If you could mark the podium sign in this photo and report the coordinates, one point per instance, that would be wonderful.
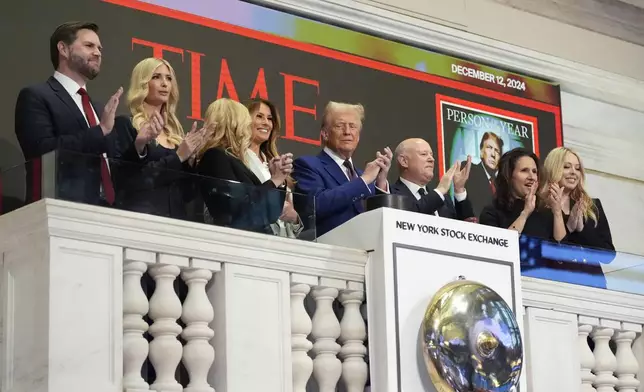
(411, 257)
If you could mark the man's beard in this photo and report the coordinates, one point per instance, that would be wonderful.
(82, 66)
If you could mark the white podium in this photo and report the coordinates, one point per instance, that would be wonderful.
(411, 256)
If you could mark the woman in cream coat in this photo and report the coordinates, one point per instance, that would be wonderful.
(265, 131)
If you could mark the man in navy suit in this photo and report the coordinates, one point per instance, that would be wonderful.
(339, 188)
(416, 164)
(59, 115)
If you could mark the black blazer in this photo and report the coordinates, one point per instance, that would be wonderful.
(431, 202)
(234, 196)
(158, 184)
(539, 224)
(48, 119)
(478, 189)
(591, 236)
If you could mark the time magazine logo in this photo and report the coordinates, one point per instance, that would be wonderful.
(226, 87)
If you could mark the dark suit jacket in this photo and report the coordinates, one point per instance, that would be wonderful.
(336, 198)
(158, 184)
(431, 202)
(234, 195)
(47, 119)
(478, 189)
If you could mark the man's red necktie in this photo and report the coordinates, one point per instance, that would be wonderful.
(492, 187)
(106, 179)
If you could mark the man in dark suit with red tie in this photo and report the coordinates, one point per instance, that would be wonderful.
(480, 185)
(331, 176)
(59, 115)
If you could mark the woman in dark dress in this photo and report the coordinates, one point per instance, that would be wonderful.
(232, 193)
(154, 157)
(589, 241)
(585, 218)
(516, 202)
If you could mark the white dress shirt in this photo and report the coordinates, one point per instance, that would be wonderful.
(72, 89)
(413, 187)
(340, 162)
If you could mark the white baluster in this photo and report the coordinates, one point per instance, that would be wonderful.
(627, 366)
(363, 312)
(198, 353)
(354, 332)
(638, 351)
(586, 359)
(327, 368)
(301, 327)
(605, 361)
(135, 346)
(165, 309)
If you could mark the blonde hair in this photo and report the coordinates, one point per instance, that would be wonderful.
(231, 125)
(553, 168)
(334, 107)
(138, 92)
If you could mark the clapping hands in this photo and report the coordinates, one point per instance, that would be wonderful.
(576, 218)
(194, 142)
(281, 167)
(378, 169)
(462, 175)
(555, 195)
(383, 160)
(109, 112)
(149, 131)
(446, 180)
(531, 200)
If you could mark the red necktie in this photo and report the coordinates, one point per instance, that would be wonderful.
(106, 180)
(492, 187)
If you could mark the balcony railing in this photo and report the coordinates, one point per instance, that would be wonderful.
(73, 303)
(253, 312)
(160, 188)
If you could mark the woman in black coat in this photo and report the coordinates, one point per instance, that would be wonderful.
(518, 205)
(589, 242)
(585, 219)
(233, 195)
(154, 159)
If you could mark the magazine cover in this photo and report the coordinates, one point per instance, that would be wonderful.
(485, 133)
